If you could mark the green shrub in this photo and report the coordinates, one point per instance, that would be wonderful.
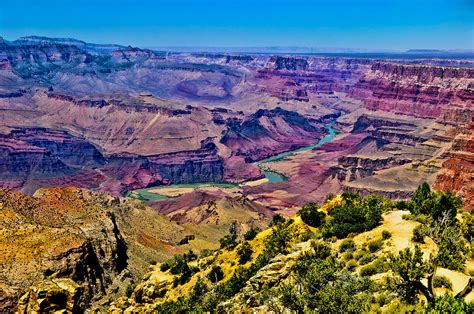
(442, 282)
(422, 200)
(386, 235)
(129, 290)
(419, 234)
(216, 274)
(252, 233)
(205, 253)
(355, 215)
(347, 245)
(449, 304)
(351, 265)
(347, 256)
(190, 256)
(311, 215)
(277, 241)
(277, 219)
(244, 252)
(230, 241)
(446, 202)
(179, 265)
(376, 267)
(366, 258)
(375, 245)
(321, 249)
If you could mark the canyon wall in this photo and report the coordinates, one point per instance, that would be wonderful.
(417, 90)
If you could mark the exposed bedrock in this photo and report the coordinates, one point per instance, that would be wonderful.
(417, 90)
(287, 63)
(70, 150)
(389, 130)
(134, 172)
(288, 81)
(91, 255)
(33, 158)
(354, 167)
(457, 172)
(365, 122)
(269, 132)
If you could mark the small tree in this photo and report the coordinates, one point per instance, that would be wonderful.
(422, 199)
(252, 233)
(277, 219)
(230, 241)
(216, 274)
(446, 202)
(311, 215)
(244, 252)
(410, 269)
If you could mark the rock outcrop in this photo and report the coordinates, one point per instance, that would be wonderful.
(457, 172)
(417, 90)
(63, 240)
(269, 132)
(53, 295)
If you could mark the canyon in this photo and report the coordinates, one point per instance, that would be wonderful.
(85, 127)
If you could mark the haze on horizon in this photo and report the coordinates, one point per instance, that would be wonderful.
(365, 24)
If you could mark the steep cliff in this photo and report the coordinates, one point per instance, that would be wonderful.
(101, 243)
(418, 90)
(457, 172)
(269, 132)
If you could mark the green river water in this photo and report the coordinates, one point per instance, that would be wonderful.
(272, 176)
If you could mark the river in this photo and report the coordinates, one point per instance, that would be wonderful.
(271, 175)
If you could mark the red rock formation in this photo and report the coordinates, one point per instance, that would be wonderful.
(457, 173)
(269, 132)
(418, 90)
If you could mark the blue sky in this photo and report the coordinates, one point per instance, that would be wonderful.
(382, 24)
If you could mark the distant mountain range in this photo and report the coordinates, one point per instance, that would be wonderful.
(89, 47)
(104, 48)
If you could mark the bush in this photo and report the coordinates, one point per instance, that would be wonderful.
(129, 290)
(230, 241)
(179, 265)
(277, 219)
(351, 265)
(244, 252)
(355, 215)
(206, 253)
(386, 235)
(190, 256)
(442, 282)
(446, 202)
(422, 200)
(347, 245)
(375, 245)
(321, 249)
(252, 233)
(347, 256)
(450, 304)
(376, 267)
(277, 241)
(216, 274)
(311, 215)
(365, 258)
(418, 234)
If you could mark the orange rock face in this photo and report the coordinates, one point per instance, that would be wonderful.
(457, 173)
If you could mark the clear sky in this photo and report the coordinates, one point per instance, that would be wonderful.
(373, 24)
